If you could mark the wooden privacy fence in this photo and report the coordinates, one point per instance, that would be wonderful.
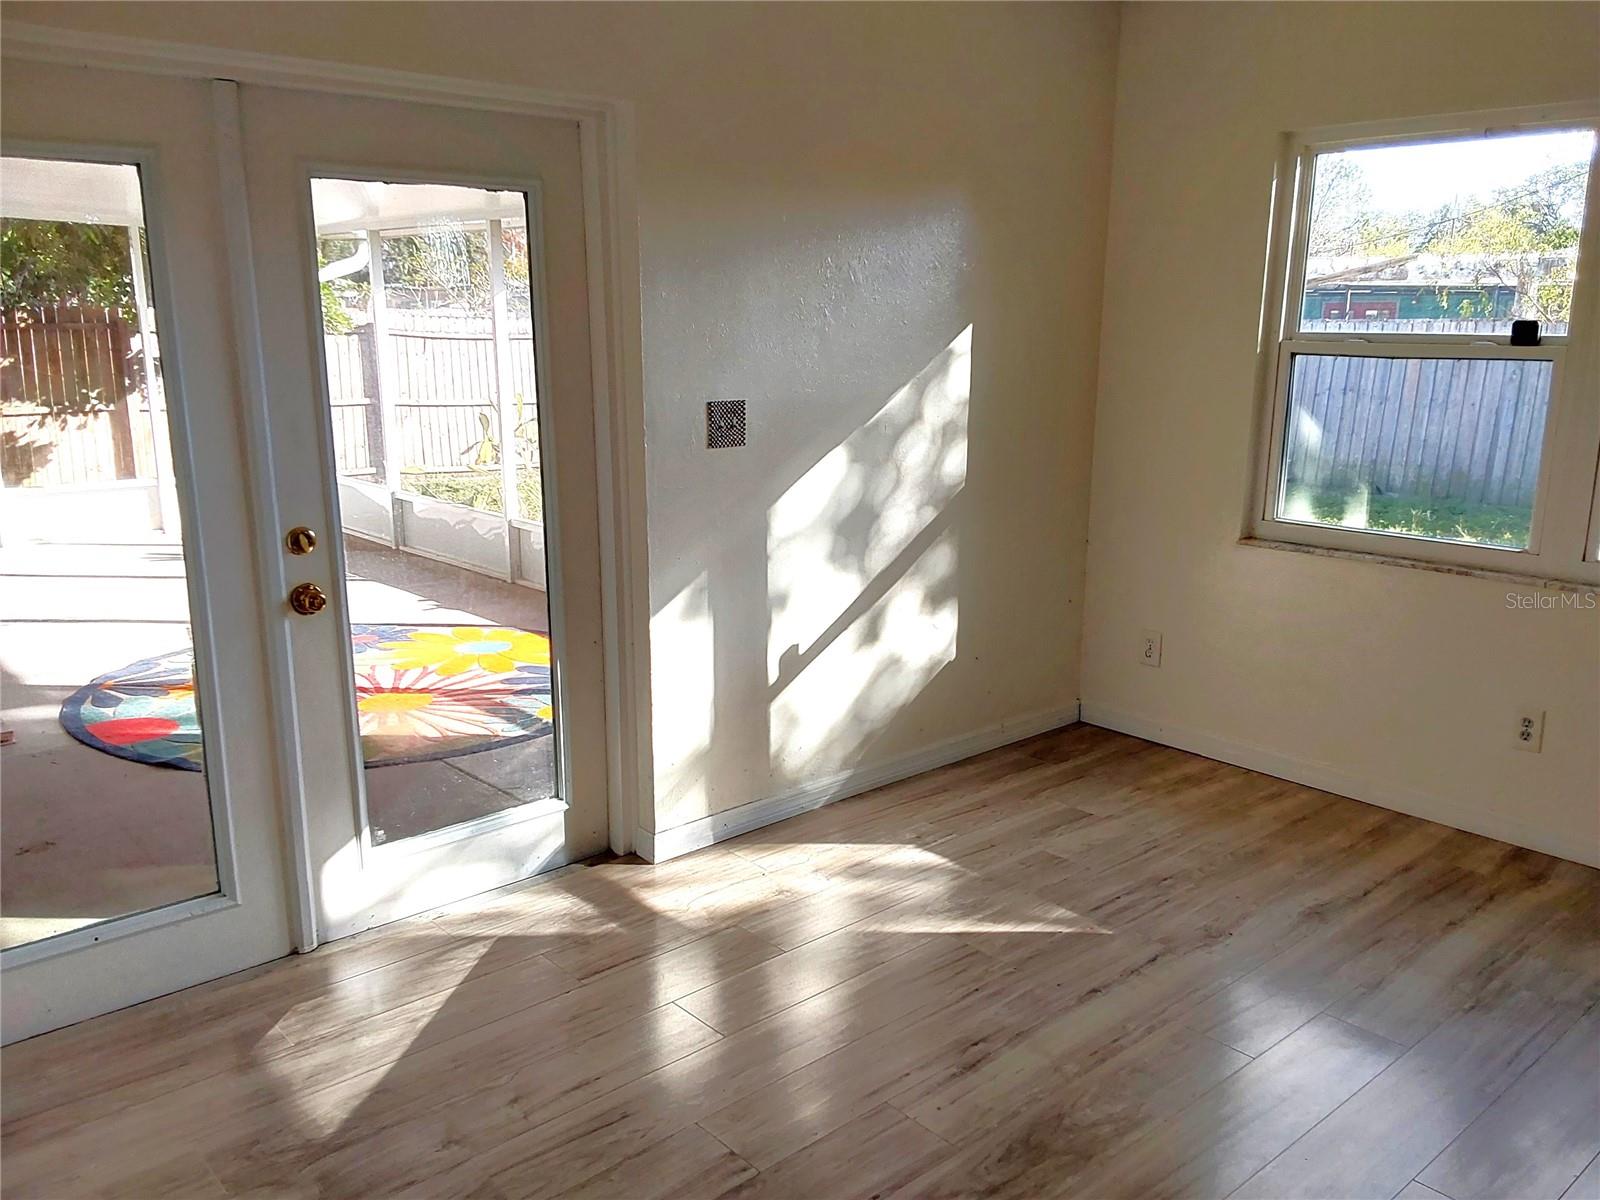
(73, 406)
(444, 383)
(1465, 429)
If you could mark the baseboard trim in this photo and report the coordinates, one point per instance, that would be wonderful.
(1329, 778)
(644, 844)
(661, 845)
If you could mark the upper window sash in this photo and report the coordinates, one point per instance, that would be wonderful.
(1304, 153)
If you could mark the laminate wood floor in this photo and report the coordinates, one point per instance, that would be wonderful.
(1080, 966)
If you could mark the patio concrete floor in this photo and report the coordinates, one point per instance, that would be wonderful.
(86, 836)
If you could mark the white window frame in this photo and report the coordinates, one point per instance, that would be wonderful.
(1562, 541)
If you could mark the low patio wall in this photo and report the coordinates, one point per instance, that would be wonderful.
(112, 511)
(452, 533)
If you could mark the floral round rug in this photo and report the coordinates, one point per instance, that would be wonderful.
(422, 693)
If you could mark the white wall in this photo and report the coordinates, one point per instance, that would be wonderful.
(883, 225)
(830, 197)
(1387, 683)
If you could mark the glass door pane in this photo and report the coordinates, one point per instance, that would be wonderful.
(106, 805)
(428, 349)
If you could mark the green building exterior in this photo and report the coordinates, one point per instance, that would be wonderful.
(1375, 300)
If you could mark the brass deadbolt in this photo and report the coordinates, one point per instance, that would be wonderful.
(308, 599)
(300, 540)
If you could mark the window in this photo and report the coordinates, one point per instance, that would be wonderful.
(1429, 284)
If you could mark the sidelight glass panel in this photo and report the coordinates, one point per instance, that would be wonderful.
(1440, 448)
(429, 346)
(102, 784)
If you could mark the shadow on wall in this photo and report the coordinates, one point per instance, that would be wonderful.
(858, 545)
(867, 537)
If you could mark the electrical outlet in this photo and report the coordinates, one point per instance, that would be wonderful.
(1530, 730)
(1150, 648)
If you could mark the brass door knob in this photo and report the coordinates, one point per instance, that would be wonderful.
(307, 599)
(300, 540)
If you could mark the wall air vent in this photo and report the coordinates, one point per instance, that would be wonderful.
(725, 424)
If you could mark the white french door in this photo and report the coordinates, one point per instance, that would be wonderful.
(301, 626)
(139, 797)
(420, 281)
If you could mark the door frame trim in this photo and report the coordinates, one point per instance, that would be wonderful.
(610, 204)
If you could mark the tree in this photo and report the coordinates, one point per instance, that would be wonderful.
(1523, 236)
(64, 262)
(339, 294)
(1343, 221)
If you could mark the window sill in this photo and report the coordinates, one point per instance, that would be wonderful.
(1389, 560)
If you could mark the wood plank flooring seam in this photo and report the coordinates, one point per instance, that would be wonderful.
(700, 1125)
(1211, 1037)
(1417, 1190)
(698, 1020)
(1352, 1099)
(897, 1108)
(1587, 1185)
(1400, 1047)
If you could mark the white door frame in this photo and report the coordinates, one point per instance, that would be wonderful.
(611, 235)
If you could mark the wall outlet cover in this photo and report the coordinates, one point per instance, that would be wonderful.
(1529, 733)
(1150, 648)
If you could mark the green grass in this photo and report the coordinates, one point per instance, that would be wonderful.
(479, 490)
(1424, 516)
